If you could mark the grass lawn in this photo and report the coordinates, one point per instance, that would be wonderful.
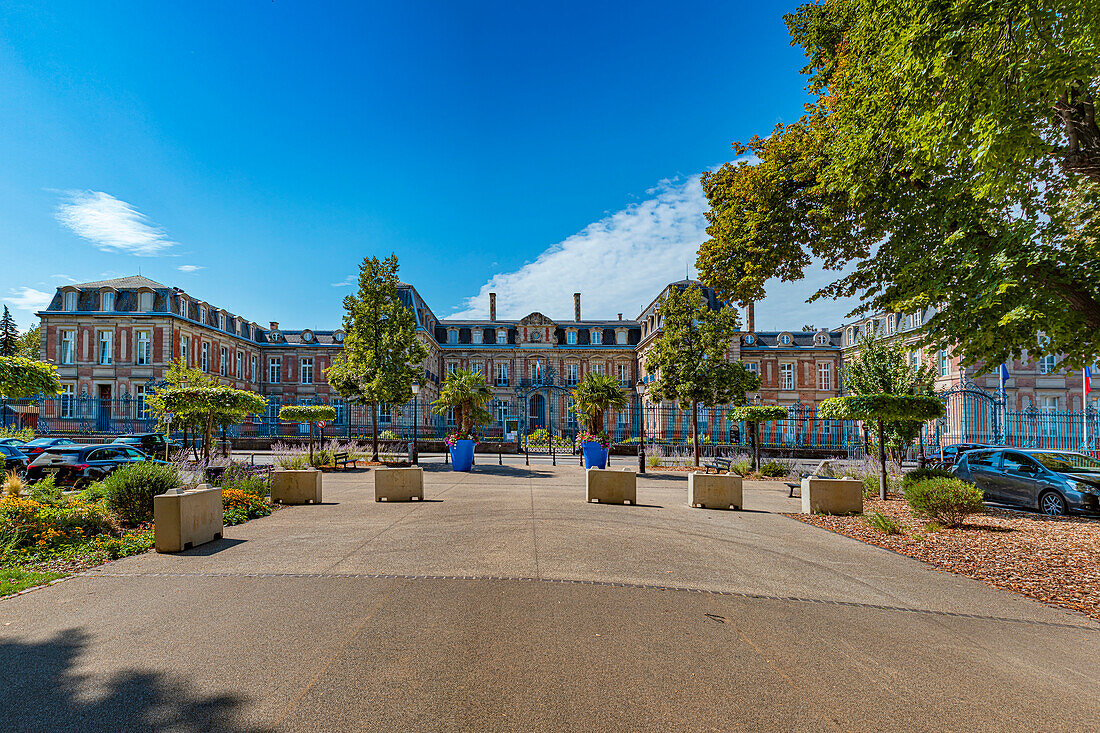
(13, 580)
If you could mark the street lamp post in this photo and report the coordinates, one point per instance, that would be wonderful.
(416, 400)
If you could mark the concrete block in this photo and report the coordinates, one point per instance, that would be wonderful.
(712, 491)
(832, 496)
(296, 487)
(186, 519)
(608, 486)
(399, 484)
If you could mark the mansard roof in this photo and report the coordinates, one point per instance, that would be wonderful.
(130, 281)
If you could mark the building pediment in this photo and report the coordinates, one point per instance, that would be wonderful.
(535, 319)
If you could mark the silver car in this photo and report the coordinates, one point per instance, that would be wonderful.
(1054, 482)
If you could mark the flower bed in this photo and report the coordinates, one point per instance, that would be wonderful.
(1055, 560)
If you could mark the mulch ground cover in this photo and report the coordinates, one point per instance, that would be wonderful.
(1055, 560)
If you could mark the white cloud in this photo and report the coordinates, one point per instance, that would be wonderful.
(28, 299)
(67, 278)
(111, 224)
(350, 279)
(190, 268)
(623, 261)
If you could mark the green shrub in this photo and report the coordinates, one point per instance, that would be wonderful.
(946, 501)
(129, 489)
(89, 519)
(322, 457)
(130, 543)
(652, 460)
(921, 474)
(774, 469)
(741, 468)
(24, 434)
(883, 523)
(248, 479)
(296, 462)
(94, 494)
(44, 491)
(238, 506)
(387, 435)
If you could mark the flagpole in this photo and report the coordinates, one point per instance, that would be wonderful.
(1084, 410)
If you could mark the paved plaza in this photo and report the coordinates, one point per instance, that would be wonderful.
(505, 602)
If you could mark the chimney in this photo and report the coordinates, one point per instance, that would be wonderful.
(274, 325)
(576, 306)
(620, 316)
(492, 306)
(750, 317)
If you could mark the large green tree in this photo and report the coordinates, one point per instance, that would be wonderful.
(690, 356)
(21, 377)
(382, 353)
(950, 157)
(30, 344)
(9, 335)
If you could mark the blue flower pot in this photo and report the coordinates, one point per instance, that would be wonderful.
(595, 455)
(462, 455)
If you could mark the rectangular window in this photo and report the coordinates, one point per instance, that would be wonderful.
(502, 336)
(479, 368)
(68, 391)
(753, 367)
(240, 365)
(252, 371)
(221, 321)
(786, 376)
(145, 302)
(385, 413)
(204, 357)
(475, 336)
(68, 347)
(914, 360)
(624, 375)
(223, 361)
(451, 367)
(620, 337)
(70, 302)
(452, 336)
(597, 337)
(572, 372)
(1048, 419)
(500, 411)
(143, 357)
(943, 363)
(449, 418)
(306, 370)
(597, 368)
(275, 370)
(571, 337)
(825, 377)
(106, 347)
(183, 350)
(108, 301)
(624, 418)
(1048, 364)
(502, 375)
(202, 315)
(141, 411)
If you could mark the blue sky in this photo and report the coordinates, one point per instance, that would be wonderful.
(253, 152)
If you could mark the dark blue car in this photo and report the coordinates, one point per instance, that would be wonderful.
(80, 465)
(1054, 482)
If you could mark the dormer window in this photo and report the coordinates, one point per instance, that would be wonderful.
(145, 302)
(620, 337)
(476, 336)
(821, 339)
(749, 339)
(452, 336)
(202, 314)
(785, 339)
(275, 336)
(502, 336)
(107, 301)
(571, 337)
(307, 336)
(221, 321)
(70, 301)
(597, 337)
(338, 337)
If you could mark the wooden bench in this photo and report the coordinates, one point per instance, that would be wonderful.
(792, 485)
(341, 460)
(718, 464)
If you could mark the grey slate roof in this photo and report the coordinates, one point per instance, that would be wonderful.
(130, 281)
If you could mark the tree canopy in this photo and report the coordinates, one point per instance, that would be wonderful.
(950, 158)
(307, 414)
(690, 355)
(753, 415)
(382, 353)
(210, 404)
(593, 396)
(465, 392)
(22, 377)
(30, 343)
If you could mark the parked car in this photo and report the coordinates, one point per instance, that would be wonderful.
(952, 453)
(14, 442)
(80, 465)
(150, 443)
(14, 460)
(36, 446)
(1054, 482)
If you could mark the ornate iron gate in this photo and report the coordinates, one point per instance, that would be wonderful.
(971, 415)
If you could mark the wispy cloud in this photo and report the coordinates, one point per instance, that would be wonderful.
(28, 299)
(111, 224)
(623, 261)
(349, 280)
(66, 278)
(190, 268)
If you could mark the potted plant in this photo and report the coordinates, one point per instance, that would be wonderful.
(592, 398)
(466, 393)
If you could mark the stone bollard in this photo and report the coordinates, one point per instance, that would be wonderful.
(183, 519)
(399, 484)
(611, 487)
(832, 496)
(714, 491)
(296, 486)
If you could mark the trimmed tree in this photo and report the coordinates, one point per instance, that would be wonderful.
(753, 415)
(179, 375)
(881, 409)
(382, 352)
(593, 396)
(307, 414)
(208, 405)
(690, 356)
(465, 392)
(21, 377)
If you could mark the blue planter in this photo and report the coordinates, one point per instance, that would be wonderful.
(462, 455)
(595, 455)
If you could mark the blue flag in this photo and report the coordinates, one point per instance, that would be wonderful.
(1004, 376)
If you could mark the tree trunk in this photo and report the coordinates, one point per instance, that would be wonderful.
(881, 460)
(695, 430)
(207, 437)
(755, 446)
(374, 430)
(311, 442)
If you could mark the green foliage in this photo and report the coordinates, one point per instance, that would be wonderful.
(883, 523)
(920, 474)
(44, 491)
(321, 457)
(9, 335)
(741, 468)
(295, 462)
(884, 407)
(775, 469)
(594, 395)
(653, 460)
(950, 158)
(68, 517)
(758, 413)
(222, 405)
(30, 344)
(108, 547)
(946, 501)
(24, 434)
(13, 580)
(249, 479)
(387, 435)
(94, 494)
(307, 413)
(129, 489)
(240, 506)
(382, 353)
(21, 377)
(465, 392)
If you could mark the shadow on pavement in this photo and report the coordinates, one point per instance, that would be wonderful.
(211, 548)
(491, 470)
(42, 691)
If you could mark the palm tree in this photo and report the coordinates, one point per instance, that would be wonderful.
(465, 392)
(594, 396)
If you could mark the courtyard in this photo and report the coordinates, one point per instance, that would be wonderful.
(505, 602)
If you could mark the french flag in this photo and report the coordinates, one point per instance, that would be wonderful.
(1088, 380)
(538, 369)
